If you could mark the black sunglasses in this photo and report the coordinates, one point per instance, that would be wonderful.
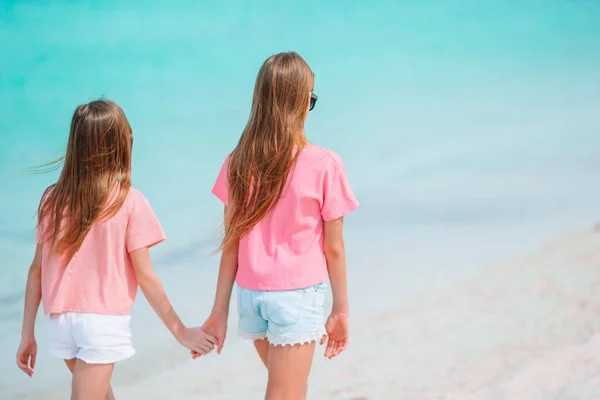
(313, 101)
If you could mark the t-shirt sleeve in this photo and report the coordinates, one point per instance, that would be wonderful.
(143, 228)
(338, 198)
(221, 186)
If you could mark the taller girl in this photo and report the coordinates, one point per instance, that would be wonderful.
(284, 199)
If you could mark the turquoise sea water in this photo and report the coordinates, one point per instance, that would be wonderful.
(469, 129)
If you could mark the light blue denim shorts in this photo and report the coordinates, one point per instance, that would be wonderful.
(287, 317)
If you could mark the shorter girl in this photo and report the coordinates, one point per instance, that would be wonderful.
(93, 236)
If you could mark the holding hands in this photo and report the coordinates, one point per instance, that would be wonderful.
(215, 326)
(197, 340)
(214, 331)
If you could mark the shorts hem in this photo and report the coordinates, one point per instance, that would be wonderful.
(295, 339)
(64, 356)
(252, 336)
(108, 360)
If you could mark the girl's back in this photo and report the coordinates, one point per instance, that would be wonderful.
(99, 277)
(284, 250)
(284, 205)
(93, 238)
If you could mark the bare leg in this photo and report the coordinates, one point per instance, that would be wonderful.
(262, 348)
(91, 381)
(289, 368)
(71, 365)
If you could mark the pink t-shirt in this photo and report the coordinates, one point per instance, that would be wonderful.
(284, 251)
(100, 277)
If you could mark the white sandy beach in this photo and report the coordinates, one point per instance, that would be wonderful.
(527, 328)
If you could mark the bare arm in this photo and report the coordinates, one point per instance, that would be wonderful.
(154, 292)
(335, 254)
(33, 294)
(227, 271)
(216, 323)
(194, 339)
(27, 351)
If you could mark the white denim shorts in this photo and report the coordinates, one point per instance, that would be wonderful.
(93, 338)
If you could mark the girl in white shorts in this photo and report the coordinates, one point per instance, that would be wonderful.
(93, 235)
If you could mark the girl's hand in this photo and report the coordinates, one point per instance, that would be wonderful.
(26, 355)
(337, 334)
(197, 340)
(215, 325)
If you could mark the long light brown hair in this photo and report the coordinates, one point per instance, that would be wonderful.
(95, 178)
(270, 144)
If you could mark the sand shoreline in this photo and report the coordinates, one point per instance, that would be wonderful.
(523, 329)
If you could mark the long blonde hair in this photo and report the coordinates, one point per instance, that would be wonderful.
(95, 178)
(270, 144)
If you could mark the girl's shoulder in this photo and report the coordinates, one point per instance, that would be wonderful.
(47, 193)
(137, 205)
(135, 196)
(322, 157)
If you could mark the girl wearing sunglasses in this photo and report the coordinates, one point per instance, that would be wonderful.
(285, 200)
